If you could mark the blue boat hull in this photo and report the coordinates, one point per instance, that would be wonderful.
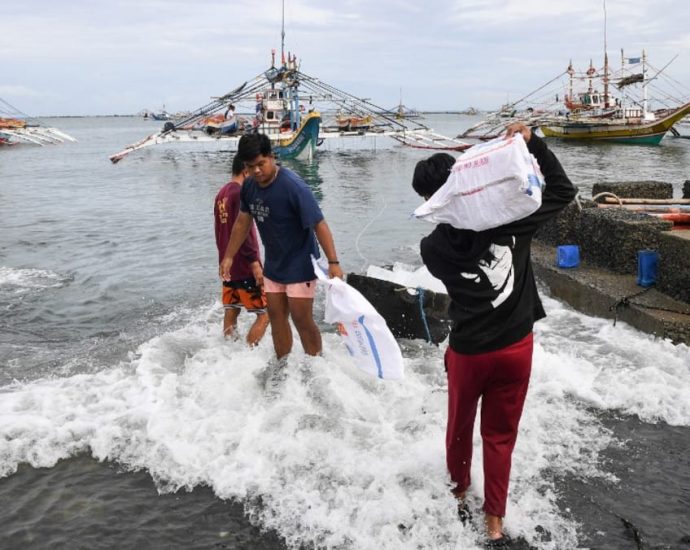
(301, 143)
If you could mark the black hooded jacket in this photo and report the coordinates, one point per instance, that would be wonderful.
(488, 274)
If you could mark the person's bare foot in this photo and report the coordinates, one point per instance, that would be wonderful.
(464, 512)
(494, 526)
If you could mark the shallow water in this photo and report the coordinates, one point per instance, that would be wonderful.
(82, 503)
(111, 348)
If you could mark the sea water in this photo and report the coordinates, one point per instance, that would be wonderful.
(111, 348)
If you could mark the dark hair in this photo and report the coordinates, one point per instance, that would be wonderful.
(432, 173)
(251, 146)
(237, 165)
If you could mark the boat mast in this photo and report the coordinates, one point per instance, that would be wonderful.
(290, 87)
(606, 65)
(282, 36)
(644, 85)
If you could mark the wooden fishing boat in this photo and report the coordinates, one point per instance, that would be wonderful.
(347, 123)
(599, 104)
(593, 115)
(286, 104)
(629, 127)
(160, 115)
(17, 127)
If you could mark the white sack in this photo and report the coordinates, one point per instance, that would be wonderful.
(492, 184)
(364, 332)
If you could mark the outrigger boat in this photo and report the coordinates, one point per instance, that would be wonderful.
(590, 108)
(17, 127)
(600, 116)
(596, 105)
(287, 105)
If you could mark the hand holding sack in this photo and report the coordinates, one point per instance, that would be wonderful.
(367, 337)
(492, 184)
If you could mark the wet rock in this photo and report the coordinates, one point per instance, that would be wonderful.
(610, 238)
(401, 309)
(565, 228)
(635, 189)
(674, 264)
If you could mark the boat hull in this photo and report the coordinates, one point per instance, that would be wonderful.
(648, 133)
(301, 143)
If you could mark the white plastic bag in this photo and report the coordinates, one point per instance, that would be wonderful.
(492, 184)
(364, 332)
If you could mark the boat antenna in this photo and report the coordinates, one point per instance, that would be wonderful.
(604, 26)
(282, 36)
(606, 64)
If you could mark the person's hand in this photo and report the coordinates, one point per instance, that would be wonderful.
(258, 273)
(224, 269)
(335, 271)
(518, 128)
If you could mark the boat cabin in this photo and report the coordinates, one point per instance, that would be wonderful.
(274, 114)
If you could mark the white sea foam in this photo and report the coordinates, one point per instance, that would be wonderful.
(408, 276)
(341, 459)
(23, 280)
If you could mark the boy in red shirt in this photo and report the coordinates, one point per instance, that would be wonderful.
(245, 289)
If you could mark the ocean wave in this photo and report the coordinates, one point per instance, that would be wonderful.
(20, 280)
(338, 459)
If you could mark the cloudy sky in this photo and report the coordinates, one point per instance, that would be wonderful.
(87, 57)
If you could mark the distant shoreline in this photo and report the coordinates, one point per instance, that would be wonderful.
(449, 112)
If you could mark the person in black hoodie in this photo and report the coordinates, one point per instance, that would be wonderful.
(494, 304)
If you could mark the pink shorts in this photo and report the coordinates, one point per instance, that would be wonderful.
(293, 290)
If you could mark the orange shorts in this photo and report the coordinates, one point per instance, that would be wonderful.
(244, 294)
(307, 289)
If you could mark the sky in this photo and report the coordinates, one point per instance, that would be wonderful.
(90, 57)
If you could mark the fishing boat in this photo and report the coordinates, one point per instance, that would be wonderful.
(162, 114)
(599, 115)
(597, 104)
(603, 104)
(406, 112)
(352, 122)
(17, 127)
(287, 105)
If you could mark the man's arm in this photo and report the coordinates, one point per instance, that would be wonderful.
(325, 238)
(239, 233)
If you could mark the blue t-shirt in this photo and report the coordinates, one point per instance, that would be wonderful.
(285, 213)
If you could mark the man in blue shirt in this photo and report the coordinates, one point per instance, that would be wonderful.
(290, 223)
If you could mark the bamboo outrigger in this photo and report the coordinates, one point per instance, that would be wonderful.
(17, 127)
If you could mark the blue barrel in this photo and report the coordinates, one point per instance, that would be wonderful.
(647, 267)
(567, 256)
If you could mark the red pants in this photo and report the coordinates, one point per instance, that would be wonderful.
(500, 378)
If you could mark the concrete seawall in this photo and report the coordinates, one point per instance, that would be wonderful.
(605, 283)
(603, 293)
